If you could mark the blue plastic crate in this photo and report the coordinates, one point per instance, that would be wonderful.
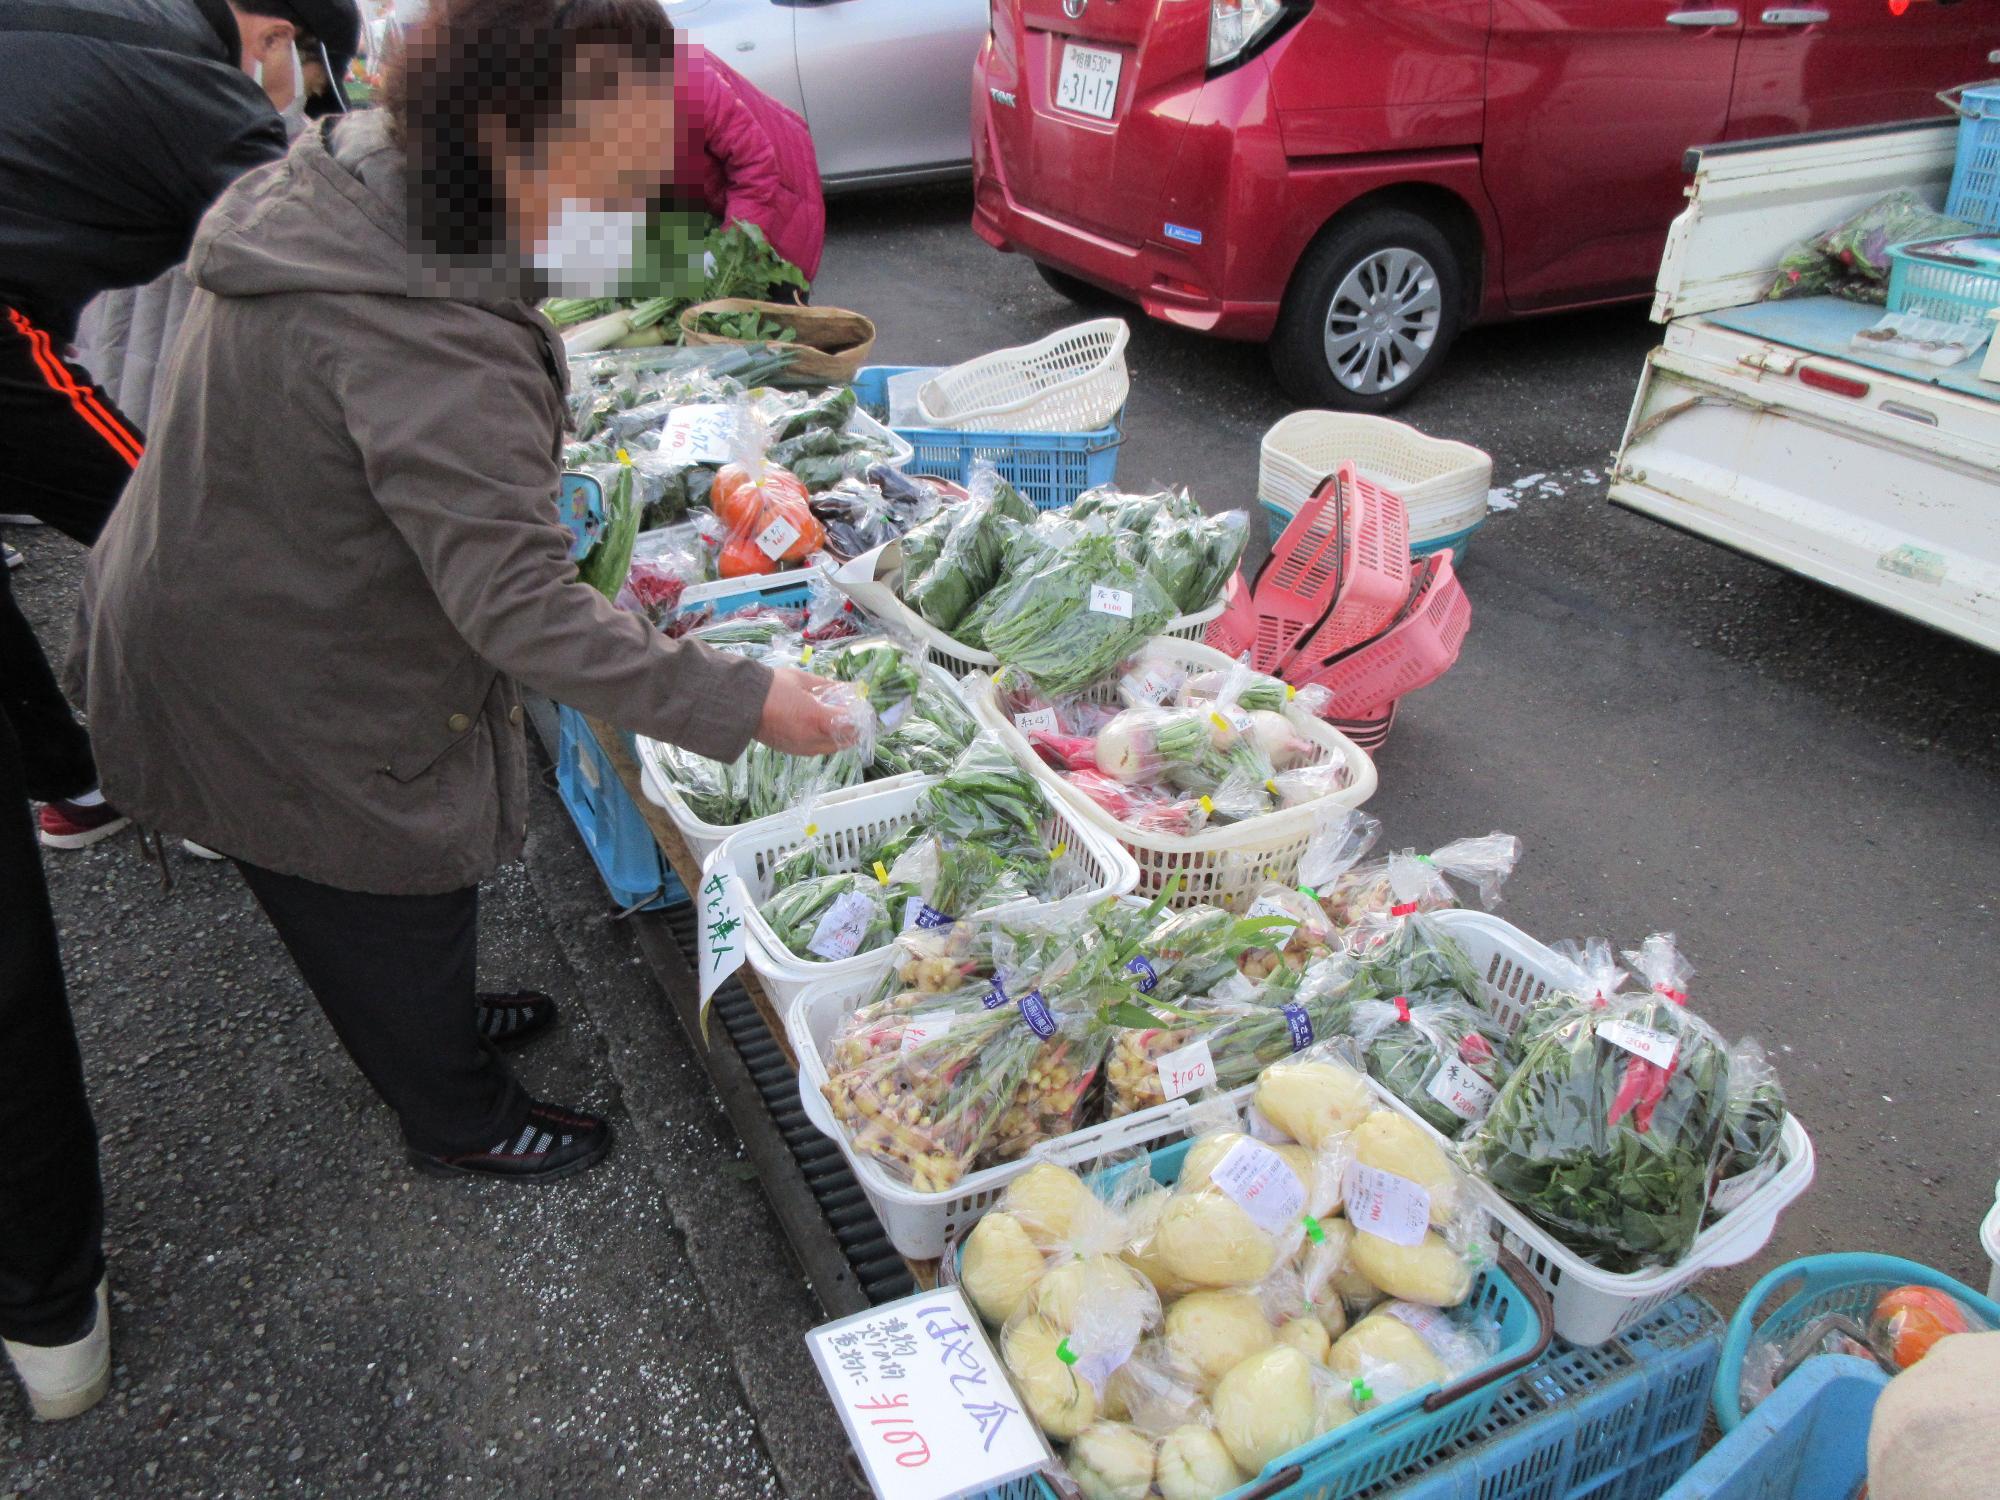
(1351, 1460)
(1618, 1421)
(1050, 469)
(1955, 280)
(1807, 1441)
(1975, 176)
(613, 829)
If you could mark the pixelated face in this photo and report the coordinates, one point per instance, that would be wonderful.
(613, 144)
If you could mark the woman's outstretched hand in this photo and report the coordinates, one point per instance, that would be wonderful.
(797, 720)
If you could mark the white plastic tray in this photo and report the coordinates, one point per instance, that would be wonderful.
(1441, 483)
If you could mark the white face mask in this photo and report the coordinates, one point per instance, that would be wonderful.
(294, 113)
(587, 251)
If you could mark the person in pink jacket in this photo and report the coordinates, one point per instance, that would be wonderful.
(757, 162)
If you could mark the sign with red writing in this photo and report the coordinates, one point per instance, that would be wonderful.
(925, 1399)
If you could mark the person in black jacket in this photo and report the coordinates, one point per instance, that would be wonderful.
(123, 121)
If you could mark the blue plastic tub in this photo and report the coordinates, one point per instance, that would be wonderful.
(1458, 541)
(1975, 176)
(1808, 1441)
(615, 833)
(1801, 1290)
(1050, 469)
(1350, 1460)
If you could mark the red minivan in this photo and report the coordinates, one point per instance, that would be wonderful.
(1353, 181)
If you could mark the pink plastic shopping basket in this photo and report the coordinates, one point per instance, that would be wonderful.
(1374, 573)
(1301, 581)
(1417, 649)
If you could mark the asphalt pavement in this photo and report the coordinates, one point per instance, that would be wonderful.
(1802, 788)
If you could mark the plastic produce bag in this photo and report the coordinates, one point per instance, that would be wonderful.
(1296, 930)
(1148, 744)
(1401, 1347)
(831, 917)
(1443, 1058)
(1192, 559)
(1851, 260)
(1609, 1129)
(1752, 1129)
(987, 798)
(1418, 1234)
(762, 507)
(1222, 1042)
(1232, 1225)
(1145, 809)
(966, 560)
(1074, 619)
(1428, 883)
(662, 567)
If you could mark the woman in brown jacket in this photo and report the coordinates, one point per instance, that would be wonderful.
(304, 626)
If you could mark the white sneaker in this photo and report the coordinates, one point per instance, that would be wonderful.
(67, 1380)
(20, 520)
(11, 556)
(201, 851)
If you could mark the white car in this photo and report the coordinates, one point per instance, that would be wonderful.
(884, 85)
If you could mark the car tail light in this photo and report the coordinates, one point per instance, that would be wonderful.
(1838, 385)
(1233, 25)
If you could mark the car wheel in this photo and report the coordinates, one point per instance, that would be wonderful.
(1075, 288)
(1371, 310)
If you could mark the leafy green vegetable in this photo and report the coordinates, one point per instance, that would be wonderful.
(1611, 1152)
(611, 559)
(747, 267)
(748, 325)
(1074, 619)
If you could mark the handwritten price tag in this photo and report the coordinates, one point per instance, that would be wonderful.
(1037, 720)
(1461, 1090)
(1106, 600)
(1185, 1071)
(927, 1027)
(1387, 1206)
(1641, 1041)
(1150, 686)
(698, 434)
(925, 1400)
(1263, 1185)
(841, 927)
(775, 538)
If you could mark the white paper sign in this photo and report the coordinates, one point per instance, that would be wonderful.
(1263, 1185)
(927, 1027)
(698, 434)
(1461, 1090)
(1273, 937)
(1387, 1206)
(1235, 718)
(720, 922)
(1106, 600)
(775, 538)
(1641, 1041)
(1037, 721)
(1431, 1325)
(1185, 1071)
(925, 1400)
(841, 927)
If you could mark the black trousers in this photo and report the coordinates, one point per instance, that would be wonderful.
(397, 977)
(51, 1199)
(65, 454)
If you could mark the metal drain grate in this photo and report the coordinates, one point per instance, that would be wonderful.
(881, 1274)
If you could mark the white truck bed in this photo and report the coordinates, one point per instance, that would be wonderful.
(1887, 486)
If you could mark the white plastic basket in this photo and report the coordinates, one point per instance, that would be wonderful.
(920, 1225)
(1100, 868)
(1072, 381)
(1989, 1237)
(1222, 866)
(704, 838)
(863, 425)
(1441, 483)
(1593, 1305)
(862, 581)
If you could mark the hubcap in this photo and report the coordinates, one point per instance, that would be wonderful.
(1383, 321)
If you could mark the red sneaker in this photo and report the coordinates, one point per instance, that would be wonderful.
(68, 826)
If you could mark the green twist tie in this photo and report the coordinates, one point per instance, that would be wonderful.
(1362, 1395)
(1425, 859)
(1313, 1232)
(1065, 1353)
(1311, 893)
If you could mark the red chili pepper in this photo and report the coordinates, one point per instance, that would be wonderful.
(1474, 1049)
(1640, 1093)
(1403, 1009)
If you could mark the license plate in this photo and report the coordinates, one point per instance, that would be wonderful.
(1088, 82)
